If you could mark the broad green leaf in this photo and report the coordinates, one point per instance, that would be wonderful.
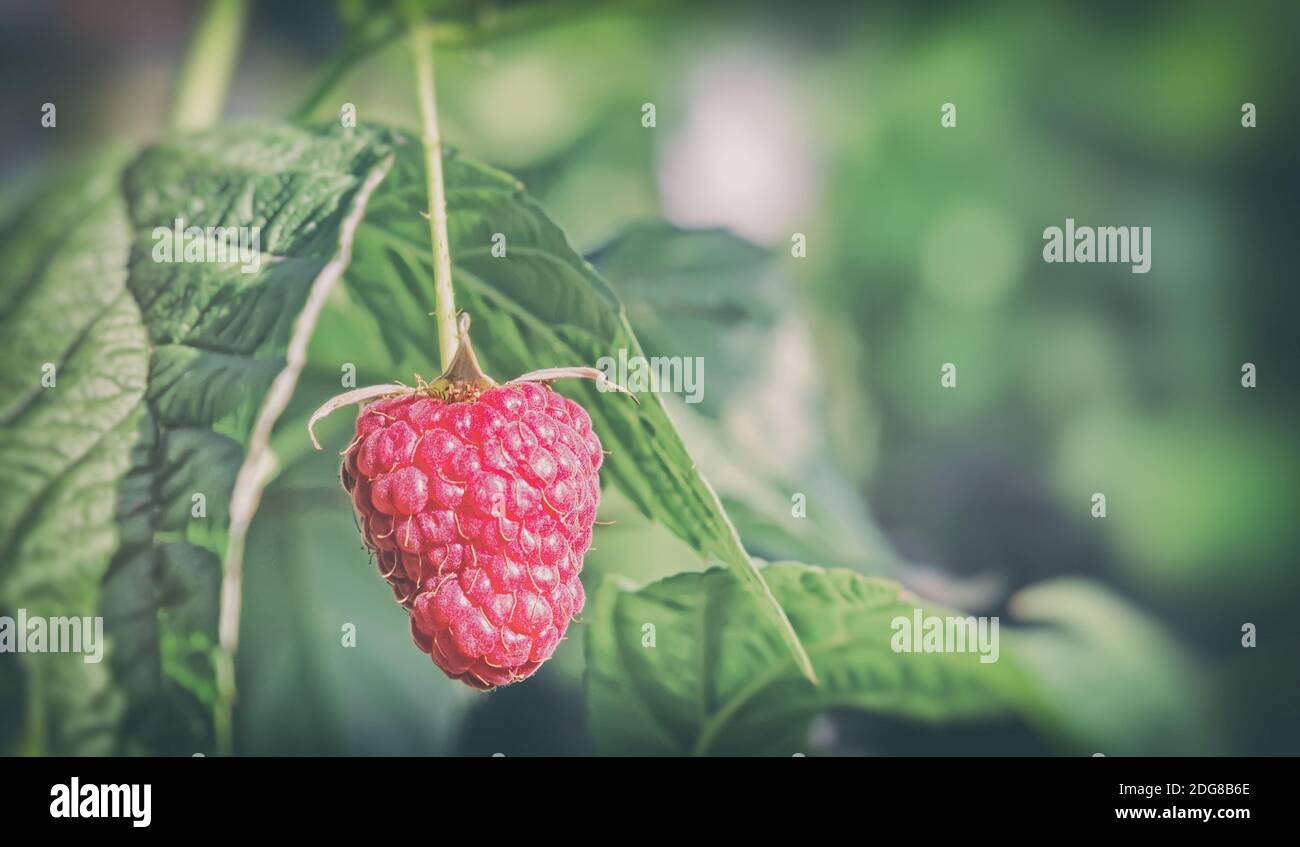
(160, 368)
(541, 305)
(698, 293)
(712, 294)
(680, 666)
(65, 450)
(1115, 681)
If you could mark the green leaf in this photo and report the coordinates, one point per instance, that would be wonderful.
(160, 369)
(1115, 681)
(64, 449)
(705, 293)
(715, 683)
(539, 306)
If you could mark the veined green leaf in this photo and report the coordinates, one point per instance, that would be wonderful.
(679, 667)
(117, 476)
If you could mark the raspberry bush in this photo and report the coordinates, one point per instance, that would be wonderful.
(180, 398)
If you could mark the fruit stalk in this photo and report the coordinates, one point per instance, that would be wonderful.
(209, 65)
(421, 38)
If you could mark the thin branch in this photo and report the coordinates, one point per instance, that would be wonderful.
(381, 31)
(444, 298)
(260, 462)
(374, 36)
(209, 65)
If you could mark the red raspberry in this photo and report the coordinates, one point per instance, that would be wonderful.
(478, 501)
(479, 512)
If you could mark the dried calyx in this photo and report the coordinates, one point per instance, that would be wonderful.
(463, 381)
(464, 378)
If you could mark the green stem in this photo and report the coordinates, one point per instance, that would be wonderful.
(378, 32)
(334, 71)
(209, 65)
(374, 36)
(444, 300)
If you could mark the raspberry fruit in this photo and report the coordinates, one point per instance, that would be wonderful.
(478, 502)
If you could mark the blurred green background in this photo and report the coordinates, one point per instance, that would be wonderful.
(822, 373)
